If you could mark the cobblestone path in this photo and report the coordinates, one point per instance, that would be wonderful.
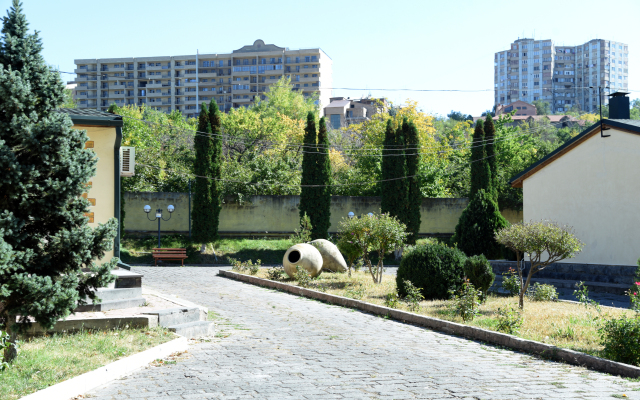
(273, 345)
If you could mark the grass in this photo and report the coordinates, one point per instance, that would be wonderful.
(46, 360)
(136, 249)
(562, 324)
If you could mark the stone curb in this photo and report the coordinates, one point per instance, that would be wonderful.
(471, 332)
(93, 379)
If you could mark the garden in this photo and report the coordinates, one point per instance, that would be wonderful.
(438, 280)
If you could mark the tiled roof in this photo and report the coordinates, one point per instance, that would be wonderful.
(92, 117)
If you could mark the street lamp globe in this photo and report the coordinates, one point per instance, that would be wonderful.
(147, 209)
(370, 214)
(170, 208)
(351, 214)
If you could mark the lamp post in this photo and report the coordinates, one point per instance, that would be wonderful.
(147, 209)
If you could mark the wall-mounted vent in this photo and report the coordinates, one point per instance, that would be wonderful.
(127, 161)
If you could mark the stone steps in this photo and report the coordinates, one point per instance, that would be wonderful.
(112, 305)
(184, 321)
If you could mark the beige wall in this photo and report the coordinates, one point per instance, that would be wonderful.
(102, 188)
(594, 187)
(280, 213)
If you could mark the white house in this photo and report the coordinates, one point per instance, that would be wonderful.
(592, 183)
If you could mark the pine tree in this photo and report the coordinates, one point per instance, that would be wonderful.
(489, 137)
(48, 252)
(308, 195)
(480, 172)
(321, 229)
(414, 196)
(387, 186)
(204, 208)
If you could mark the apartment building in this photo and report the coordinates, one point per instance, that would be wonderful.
(183, 83)
(566, 77)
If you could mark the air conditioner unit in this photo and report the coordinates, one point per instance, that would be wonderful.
(127, 161)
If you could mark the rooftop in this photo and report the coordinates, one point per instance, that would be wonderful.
(92, 117)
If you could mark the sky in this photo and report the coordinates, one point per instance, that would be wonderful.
(374, 44)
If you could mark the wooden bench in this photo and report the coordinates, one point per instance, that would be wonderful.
(169, 254)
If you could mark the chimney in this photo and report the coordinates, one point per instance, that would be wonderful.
(619, 106)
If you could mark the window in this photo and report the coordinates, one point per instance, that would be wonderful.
(288, 60)
(335, 121)
(178, 63)
(314, 75)
(306, 85)
(307, 59)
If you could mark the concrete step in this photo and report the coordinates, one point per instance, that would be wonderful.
(126, 279)
(195, 329)
(599, 287)
(118, 294)
(176, 316)
(112, 305)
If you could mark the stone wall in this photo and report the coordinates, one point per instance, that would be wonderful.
(279, 214)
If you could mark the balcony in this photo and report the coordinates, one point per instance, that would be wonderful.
(241, 91)
(81, 97)
(117, 68)
(157, 93)
(248, 100)
(309, 80)
(154, 68)
(207, 74)
(154, 85)
(116, 96)
(190, 84)
(166, 102)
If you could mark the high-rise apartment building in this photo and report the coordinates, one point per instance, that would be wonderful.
(566, 77)
(182, 83)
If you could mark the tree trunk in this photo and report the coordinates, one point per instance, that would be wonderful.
(523, 288)
(10, 352)
(203, 248)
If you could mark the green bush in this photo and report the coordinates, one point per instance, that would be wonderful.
(391, 300)
(620, 338)
(413, 297)
(466, 302)
(509, 320)
(477, 226)
(433, 267)
(542, 292)
(480, 273)
(511, 282)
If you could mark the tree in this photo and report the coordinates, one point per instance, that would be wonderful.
(216, 166)
(540, 240)
(308, 193)
(490, 156)
(474, 233)
(205, 226)
(414, 195)
(387, 185)
(394, 188)
(69, 102)
(321, 231)
(542, 107)
(373, 233)
(458, 116)
(52, 264)
(480, 172)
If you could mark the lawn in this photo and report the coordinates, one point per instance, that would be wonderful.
(46, 360)
(137, 250)
(562, 324)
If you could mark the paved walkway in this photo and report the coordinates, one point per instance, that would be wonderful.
(274, 345)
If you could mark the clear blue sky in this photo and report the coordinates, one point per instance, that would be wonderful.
(419, 44)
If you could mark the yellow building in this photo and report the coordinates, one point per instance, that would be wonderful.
(105, 135)
(592, 183)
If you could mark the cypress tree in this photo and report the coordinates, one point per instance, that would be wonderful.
(308, 194)
(480, 172)
(414, 197)
(400, 190)
(48, 252)
(386, 186)
(489, 137)
(204, 227)
(321, 229)
(216, 166)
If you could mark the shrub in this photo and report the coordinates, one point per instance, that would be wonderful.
(303, 233)
(245, 266)
(275, 273)
(582, 295)
(349, 250)
(509, 320)
(302, 276)
(433, 267)
(480, 273)
(511, 282)
(391, 300)
(413, 296)
(466, 302)
(620, 338)
(475, 231)
(7, 346)
(542, 292)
